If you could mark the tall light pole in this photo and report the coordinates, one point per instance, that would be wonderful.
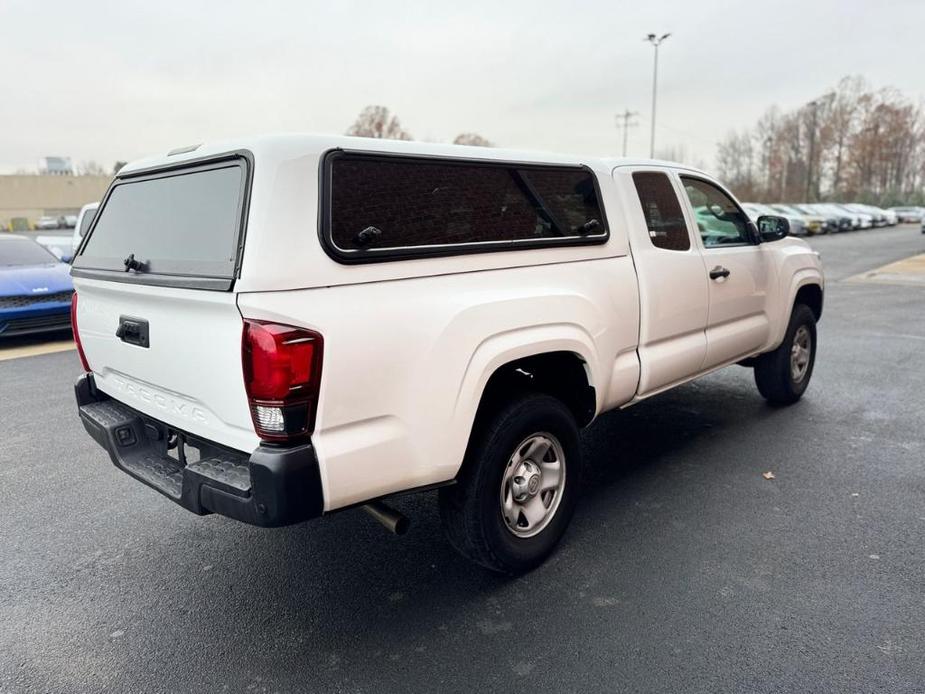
(656, 41)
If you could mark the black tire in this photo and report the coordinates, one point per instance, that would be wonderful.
(773, 373)
(471, 509)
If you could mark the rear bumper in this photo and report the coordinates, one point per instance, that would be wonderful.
(274, 486)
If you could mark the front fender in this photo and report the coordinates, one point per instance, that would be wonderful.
(792, 280)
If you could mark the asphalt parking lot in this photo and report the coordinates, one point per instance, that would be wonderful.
(685, 570)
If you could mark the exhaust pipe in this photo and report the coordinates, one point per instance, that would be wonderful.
(393, 521)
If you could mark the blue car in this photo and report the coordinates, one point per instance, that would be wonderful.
(35, 288)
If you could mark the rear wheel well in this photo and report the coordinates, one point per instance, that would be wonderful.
(562, 375)
(810, 295)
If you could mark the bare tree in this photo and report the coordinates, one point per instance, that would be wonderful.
(851, 143)
(768, 144)
(473, 140)
(376, 121)
(117, 167)
(736, 163)
(843, 119)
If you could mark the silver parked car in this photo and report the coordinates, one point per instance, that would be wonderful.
(815, 223)
(909, 214)
(844, 221)
(47, 222)
(862, 219)
(879, 217)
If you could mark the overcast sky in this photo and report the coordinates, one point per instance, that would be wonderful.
(117, 80)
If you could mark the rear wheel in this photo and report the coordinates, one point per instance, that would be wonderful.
(518, 487)
(782, 376)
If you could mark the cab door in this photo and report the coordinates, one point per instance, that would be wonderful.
(738, 271)
(673, 284)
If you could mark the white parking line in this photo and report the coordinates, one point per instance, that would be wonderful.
(35, 350)
(898, 336)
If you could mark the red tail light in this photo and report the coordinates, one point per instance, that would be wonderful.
(282, 376)
(80, 348)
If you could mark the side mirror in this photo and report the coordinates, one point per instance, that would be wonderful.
(772, 227)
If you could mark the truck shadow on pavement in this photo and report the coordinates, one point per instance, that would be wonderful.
(668, 429)
(343, 574)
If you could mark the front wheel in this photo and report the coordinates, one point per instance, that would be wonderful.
(518, 486)
(782, 376)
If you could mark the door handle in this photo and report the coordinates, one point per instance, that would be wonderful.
(719, 271)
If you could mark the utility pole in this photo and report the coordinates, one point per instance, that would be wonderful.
(768, 142)
(812, 152)
(656, 42)
(626, 125)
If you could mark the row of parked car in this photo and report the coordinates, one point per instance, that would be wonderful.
(826, 217)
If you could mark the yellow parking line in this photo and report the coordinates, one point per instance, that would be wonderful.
(34, 350)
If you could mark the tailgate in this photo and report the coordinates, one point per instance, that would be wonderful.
(190, 374)
(156, 313)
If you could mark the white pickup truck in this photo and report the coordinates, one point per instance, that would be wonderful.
(281, 327)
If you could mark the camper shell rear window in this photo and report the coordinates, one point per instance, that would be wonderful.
(378, 207)
(181, 226)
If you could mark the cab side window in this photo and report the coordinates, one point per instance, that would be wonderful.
(719, 219)
(664, 219)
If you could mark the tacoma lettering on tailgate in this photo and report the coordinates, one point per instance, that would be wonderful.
(167, 403)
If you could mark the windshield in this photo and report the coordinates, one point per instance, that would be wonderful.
(19, 251)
